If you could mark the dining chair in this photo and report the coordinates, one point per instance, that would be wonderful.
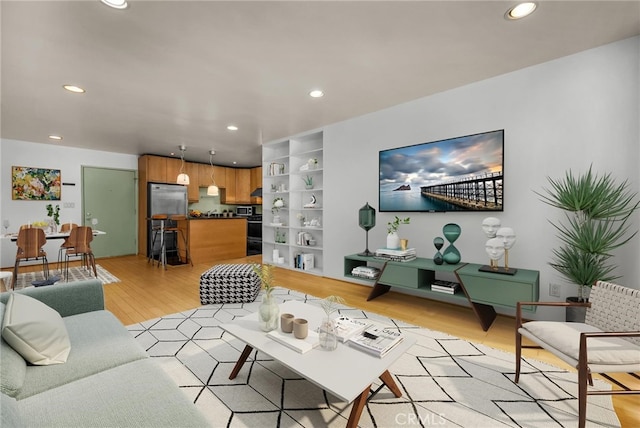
(66, 244)
(30, 242)
(80, 240)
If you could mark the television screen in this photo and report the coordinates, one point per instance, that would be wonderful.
(458, 174)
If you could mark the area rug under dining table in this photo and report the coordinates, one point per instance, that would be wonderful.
(76, 273)
(445, 381)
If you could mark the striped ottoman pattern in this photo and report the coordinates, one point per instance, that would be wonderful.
(229, 283)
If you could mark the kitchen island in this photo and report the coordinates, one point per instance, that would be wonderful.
(215, 239)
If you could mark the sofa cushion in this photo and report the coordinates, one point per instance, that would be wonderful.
(35, 331)
(99, 342)
(137, 394)
(12, 366)
(10, 414)
(565, 337)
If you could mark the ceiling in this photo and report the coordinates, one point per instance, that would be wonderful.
(163, 73)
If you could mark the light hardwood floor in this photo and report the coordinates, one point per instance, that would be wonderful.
(147, 292)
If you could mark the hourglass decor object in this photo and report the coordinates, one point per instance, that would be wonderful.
(438, 242)
(367, 220)
(451, 254)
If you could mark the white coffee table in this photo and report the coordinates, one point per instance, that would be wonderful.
(346, 373)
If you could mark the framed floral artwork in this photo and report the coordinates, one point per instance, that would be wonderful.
(35, 184)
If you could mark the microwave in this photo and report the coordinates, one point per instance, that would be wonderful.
(244, 211)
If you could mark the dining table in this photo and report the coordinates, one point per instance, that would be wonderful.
(48, 236)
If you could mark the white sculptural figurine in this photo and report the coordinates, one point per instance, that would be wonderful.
(490, 226)
(312, 202)
(495, 250)
(508, 238)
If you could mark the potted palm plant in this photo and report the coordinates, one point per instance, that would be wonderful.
(596, 213)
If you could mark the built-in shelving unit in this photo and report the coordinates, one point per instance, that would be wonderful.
(480, 290)
(295, 230)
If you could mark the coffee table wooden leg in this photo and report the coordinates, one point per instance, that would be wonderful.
(387, 379)
(357, 407)
(243, 357)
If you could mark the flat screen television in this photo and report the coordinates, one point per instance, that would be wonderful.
(457, 174)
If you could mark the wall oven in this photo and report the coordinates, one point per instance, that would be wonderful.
(254, 234)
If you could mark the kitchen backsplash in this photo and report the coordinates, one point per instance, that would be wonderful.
(212, 203)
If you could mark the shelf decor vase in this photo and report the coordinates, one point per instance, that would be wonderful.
(451, 254)
(327, 333)
(393, 241)
(268, 313)
(438, 242)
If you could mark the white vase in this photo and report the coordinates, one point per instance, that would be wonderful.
(327, 333)
(393, 241)
(268, 313)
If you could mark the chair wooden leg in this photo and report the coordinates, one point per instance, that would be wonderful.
(15, 274)
(518, 355)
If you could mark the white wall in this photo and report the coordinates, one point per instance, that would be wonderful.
(568, 113)
(70, 161)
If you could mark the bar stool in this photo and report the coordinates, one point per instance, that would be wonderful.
(158, 224)
(173, 227)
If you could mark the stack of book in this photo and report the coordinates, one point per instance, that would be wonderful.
(396, 255)
(304, 261)
(376, 340)
(367, 272)
(300, 345)
(347, 327)
(447, 287)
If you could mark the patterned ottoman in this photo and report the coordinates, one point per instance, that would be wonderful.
(229, 284)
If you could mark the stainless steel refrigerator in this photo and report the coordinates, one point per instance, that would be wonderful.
(170, 199)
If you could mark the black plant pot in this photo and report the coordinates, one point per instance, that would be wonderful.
(575, 313)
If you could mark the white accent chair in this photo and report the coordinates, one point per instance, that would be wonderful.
(607, 342)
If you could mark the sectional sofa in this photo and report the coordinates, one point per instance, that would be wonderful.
(107, 379)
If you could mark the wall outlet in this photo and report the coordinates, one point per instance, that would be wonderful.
(554, 290)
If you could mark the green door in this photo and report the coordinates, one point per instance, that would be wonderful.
(109, 205)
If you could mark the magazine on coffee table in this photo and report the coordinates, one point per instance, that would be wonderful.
(347, 327)
(376, 340)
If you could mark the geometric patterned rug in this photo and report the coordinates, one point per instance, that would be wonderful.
(76, 273)
(445, 381)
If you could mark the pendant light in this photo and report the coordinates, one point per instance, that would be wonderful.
(183, 178)
(213, 189)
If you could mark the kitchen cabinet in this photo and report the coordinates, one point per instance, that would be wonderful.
(256, 182)
(204, 176)
(214, 240)
(243, 186)
(228, 195)
(193, 190)
(154, 168)
(173, 169)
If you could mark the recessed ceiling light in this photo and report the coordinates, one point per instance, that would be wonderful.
(232, 128)
(316, 93)
(116, 4)
(74, 88)
(235, 163)
(55, 137)
(521, 10)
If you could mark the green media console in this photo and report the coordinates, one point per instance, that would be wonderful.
(481, 290)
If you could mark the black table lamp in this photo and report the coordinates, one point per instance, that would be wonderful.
(366, 220)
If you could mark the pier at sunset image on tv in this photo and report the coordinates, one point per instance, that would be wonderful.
(456, 174)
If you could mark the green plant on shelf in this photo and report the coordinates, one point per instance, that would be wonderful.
(393, 226)
(308, 181)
